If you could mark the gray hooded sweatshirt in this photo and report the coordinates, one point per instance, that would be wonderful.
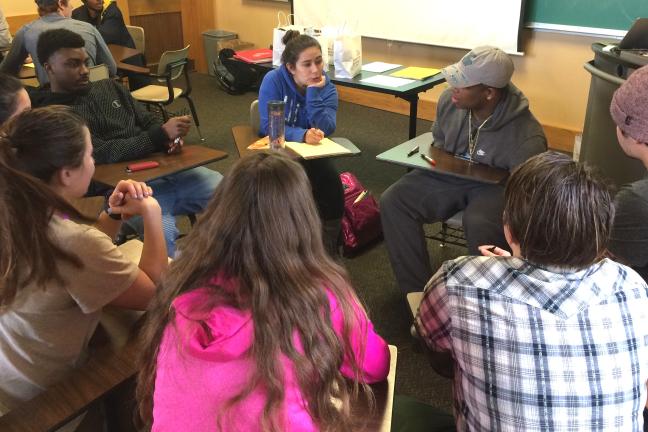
(511, 136)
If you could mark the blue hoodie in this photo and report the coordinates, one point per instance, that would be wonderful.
(317, 108)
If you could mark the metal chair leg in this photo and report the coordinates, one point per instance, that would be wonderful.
(165, 114)
(194, 114)
(443, 233)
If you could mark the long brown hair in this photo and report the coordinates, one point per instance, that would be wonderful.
(262, 229)
(38, 141)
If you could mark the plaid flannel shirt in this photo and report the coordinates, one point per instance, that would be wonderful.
(541, 349)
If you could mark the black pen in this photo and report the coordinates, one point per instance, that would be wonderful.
(413, 151)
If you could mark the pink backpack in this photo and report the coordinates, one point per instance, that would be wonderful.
(361, 220)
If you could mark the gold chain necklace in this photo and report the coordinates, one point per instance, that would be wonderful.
(472, 140)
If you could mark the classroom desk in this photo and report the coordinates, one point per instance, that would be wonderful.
(121, 53)
(114, 363)
(381, 419)
(26, 72)
(244, 136)
(190, 157)
(408, 92)
(446, 163)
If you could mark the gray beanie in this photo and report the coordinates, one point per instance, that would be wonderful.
(629, 107)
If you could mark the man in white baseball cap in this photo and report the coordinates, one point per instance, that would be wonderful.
(482, 118)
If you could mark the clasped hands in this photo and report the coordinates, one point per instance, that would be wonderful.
(131, 198)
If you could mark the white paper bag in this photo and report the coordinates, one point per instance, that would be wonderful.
(326, 43)
(347, 53)
(283, 25)
(330, 33)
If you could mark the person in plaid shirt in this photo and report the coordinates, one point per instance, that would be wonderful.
(554, 337)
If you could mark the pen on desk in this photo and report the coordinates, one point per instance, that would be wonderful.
(360, 196)
(413, 151)
(429, 160)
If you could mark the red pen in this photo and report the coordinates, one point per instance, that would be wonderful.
(429, 160)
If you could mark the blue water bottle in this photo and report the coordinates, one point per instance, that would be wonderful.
(276, 124)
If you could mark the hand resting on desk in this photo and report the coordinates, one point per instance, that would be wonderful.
(313, 136)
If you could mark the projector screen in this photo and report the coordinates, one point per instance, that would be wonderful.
(459, 23)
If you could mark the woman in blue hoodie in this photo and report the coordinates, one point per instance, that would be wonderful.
(311, 108)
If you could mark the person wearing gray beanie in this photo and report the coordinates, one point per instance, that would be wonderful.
(629, 110)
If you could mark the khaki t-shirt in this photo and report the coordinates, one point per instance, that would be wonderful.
(45, 331)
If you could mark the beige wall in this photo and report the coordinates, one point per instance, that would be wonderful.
(27, 9)
(18, 7)
(550, 73)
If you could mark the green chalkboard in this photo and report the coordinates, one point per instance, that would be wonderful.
(600, 14)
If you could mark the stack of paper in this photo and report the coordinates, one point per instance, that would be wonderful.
(379, 67)
(386, 81)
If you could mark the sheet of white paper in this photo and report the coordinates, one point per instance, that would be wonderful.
(379, 67)
(387, 81)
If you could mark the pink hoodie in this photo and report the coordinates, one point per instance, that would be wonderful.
(200, 368)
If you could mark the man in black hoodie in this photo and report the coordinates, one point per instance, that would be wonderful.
(121, 129)
(485, 119)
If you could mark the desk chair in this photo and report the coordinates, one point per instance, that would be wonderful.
(98, 73)
(441, 362)
(244, 135)
(137, 33)
(451, 231)
(172, 65)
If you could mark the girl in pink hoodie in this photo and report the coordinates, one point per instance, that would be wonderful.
(256, 328)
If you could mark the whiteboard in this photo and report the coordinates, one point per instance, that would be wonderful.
(459, 23)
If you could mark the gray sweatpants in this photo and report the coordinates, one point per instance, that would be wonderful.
(421, 197)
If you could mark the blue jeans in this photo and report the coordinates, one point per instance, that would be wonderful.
(180, 194)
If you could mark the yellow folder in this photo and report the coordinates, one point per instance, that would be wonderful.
(417, 73)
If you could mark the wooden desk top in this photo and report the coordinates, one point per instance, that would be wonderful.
(446, 163)
(26, 72)
(121, 53)
(381, 420)
(244, 136)
(190, 157)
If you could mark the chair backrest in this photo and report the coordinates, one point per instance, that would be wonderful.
(98, 73)
(171, 57)
(255, 117)
(137, 33)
